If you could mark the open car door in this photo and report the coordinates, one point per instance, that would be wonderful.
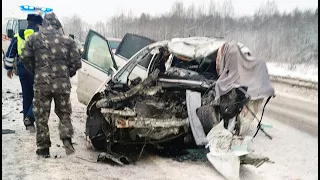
(129, 46)
(98, 65)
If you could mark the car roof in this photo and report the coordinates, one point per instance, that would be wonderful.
(195, 47)
(192, 47)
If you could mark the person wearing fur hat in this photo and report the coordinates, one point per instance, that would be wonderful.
(26, 78)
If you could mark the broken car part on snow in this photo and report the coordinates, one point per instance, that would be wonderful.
(192, 86)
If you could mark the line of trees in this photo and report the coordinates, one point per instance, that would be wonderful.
(279, 37)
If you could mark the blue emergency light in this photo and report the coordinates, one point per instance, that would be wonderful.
(33, 8)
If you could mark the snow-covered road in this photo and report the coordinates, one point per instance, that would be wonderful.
(295, 153)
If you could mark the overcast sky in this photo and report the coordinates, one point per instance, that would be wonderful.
(94, 10)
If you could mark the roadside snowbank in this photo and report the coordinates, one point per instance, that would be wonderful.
(299, 71)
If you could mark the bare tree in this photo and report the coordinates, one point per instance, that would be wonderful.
(287, 37)
(212, 8)
(76, 26)
(226, 9)
(268, 9)
(177, 9)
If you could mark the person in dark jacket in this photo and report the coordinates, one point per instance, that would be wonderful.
(53, 58)
(26, 77)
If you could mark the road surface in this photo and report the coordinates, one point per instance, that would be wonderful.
(294, 151)
(294, 112)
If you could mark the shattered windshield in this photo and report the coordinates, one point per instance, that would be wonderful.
(123, 73)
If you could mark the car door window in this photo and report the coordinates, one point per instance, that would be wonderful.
(23, 24)
(131, 44)
(14, 27)
(9, 25)
(98, 52)
(145, 61)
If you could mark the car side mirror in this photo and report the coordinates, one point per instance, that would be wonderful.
(10, 33)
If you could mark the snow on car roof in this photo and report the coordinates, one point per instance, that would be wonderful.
(191, 47)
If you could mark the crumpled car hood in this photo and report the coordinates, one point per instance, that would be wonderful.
(192, 47)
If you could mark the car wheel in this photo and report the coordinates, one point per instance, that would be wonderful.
(94, 130)
(207, 117)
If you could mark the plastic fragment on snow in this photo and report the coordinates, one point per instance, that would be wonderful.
(266, 125)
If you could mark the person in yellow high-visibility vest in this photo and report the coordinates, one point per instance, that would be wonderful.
(26, 77)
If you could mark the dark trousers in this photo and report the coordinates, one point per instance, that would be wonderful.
(26, 80)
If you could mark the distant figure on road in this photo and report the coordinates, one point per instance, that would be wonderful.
(26, 78)
(53, 58)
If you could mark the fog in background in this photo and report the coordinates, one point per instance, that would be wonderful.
(272, 33)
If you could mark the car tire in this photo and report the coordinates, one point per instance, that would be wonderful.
(94, 130)
(207, 117)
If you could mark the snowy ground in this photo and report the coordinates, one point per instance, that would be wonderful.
(295, 153)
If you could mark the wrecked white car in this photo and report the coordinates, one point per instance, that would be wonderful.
(99, 64)
(186, 88)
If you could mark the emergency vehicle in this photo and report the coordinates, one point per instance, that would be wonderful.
(14, 25)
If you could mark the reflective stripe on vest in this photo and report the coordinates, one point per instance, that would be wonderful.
(21, 42)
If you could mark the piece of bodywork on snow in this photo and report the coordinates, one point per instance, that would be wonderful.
(133, 111)
(228, 152)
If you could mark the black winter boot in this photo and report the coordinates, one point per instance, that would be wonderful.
(44, 152)
(68, 146)
(29, 123)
